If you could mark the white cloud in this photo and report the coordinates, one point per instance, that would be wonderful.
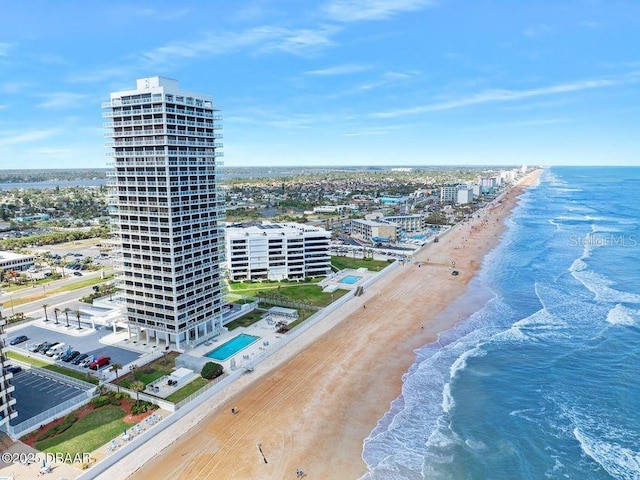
(338, 70)
(367, 133)
(20, 136)
(4, 49)
(263, 39)
(537, 30)
(13, 87)
(590, 24)
(101, 74)
(521, 123)
(62, 99)
(491, 96)
(362, 10)
(147, 12)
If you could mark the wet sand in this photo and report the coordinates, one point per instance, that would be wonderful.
(312, 404)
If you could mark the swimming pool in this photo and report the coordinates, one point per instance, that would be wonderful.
(232, 347)
(350, 279)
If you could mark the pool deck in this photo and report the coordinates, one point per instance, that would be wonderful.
(334, 280)
(261, 328)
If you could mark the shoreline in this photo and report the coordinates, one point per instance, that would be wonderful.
(312, 405)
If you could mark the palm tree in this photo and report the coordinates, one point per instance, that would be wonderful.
(114, 368)
(46, 317)
(55, 312)
(137, 386)
(66, 312)
(78, 313)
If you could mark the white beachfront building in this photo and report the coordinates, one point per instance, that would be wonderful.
(15, 262)
(414, 222)
(465, 195)
(277, 251)
(372, 231)
(448, 193)
(7, 411)
(167, 210)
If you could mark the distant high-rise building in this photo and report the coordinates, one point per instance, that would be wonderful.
(7, 411)
(167, 210)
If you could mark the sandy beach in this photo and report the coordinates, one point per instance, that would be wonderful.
(312, 404)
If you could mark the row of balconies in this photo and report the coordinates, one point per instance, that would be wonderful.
(157, 98)
(168, 224)
(158, 141)
(162, 131)
(176, 243)
(162, 121)
(163, 162)
(123, 181)
(122, 112)
(127, 234)
(158, 155)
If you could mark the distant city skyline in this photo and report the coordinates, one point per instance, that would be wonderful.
(334, 82)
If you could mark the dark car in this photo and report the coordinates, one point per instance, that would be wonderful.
(455, 272)
(70, 356)
(99, 362)
(43, 347)
(79, 358)
(19, 339)
(13, 368)
(77, 274)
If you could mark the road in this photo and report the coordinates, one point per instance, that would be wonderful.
(60, 300)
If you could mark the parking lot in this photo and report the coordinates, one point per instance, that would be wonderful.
(36, 393)
(89, 344)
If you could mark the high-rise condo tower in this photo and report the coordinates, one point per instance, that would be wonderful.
(167, 211)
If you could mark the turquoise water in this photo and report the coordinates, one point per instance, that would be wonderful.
(233, 346)
(542, 381)
(350, 279)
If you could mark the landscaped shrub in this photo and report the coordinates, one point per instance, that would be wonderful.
(100, 401)
(122, 395)
(61, 427)
(141, 407)
(109, 399)
(211, 370)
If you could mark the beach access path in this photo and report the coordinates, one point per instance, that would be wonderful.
(311, 404)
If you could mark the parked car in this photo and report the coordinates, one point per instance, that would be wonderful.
(13, 368)
(455, 272)
(43, 347)
(80, 358)
(55, 349)
(99, 362)
(67, 357)
(87, 361)
(34, 346)
(19, 339)
(77, 274)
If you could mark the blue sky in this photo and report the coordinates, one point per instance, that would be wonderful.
(334, 82)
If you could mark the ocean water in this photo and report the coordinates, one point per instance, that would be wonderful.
(543, 382)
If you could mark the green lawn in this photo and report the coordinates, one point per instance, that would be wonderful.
(23, 358)
(308, 292)
(153, 371)
(189, 389)
(246, 320)
(87, 434)
(72, 373)
(54, 368)
(345, 262)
